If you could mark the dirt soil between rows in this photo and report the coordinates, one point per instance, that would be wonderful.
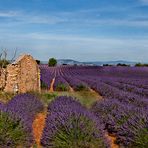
(38, 126)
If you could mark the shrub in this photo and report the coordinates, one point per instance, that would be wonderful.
(52, 62)
(13, 132)
(80, 87)
(16, 120)
(113, 113)
(49, 96)
(70, 125)
(43, 85)
(1, 105)
(62, 87)
(76, 84)
(26, 106)
(128, 123)
(134, 132)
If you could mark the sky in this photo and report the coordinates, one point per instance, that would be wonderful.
(84, 30)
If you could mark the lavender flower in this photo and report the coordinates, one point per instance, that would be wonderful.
(69, 124)
(13, 131)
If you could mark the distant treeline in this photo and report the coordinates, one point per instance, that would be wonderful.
(141, 65)
(136, 65)
(119, 64)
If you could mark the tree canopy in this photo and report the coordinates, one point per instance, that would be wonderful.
(52, 62)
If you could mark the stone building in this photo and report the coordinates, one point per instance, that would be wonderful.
(23, 75)
(2, 78)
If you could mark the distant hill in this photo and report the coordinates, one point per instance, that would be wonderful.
(69, 62)
(73, 62)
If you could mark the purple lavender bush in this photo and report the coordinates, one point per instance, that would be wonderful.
(1, 105)
(76, 84)
(70, 125)
(128, 123)
(112, 113)
(16, 118)
(13, 132)
(124, 97)
(134, 132)
(26, 106)
(61, 84)
(47, 74)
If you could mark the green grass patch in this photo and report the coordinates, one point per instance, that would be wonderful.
(86, 98)
(45, 96)
(62, 87)
(81, 87)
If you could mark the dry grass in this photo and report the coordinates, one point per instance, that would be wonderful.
(5, 97)
(87, 98)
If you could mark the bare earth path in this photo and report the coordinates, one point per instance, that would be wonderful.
(51, 86)
(71, 89)
(97, 94)
(112, 140)
(38, 126)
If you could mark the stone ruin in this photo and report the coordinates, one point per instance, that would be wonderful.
(23, 75)
(2, 78)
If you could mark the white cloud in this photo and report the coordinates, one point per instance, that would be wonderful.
(80, 18)
(8, 13)
(26, 18)
(81, 48)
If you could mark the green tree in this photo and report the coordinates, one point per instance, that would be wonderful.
(52, 62)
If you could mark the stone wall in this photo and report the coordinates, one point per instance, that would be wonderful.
(25, 73)
(29, 75)
(2, 78)
(12, 77)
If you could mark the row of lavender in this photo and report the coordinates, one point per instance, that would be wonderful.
(62, 73)
(68, 124)
(125, 109)
(16, 118)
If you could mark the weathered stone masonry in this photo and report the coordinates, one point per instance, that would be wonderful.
(2, 78)
(24, 73)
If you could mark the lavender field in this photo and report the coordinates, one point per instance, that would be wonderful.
(74, 74)
(124, 107)
(119, 118)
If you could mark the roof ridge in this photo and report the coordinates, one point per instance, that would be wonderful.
(20, 58)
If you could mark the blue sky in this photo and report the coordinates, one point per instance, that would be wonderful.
(85, 30)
